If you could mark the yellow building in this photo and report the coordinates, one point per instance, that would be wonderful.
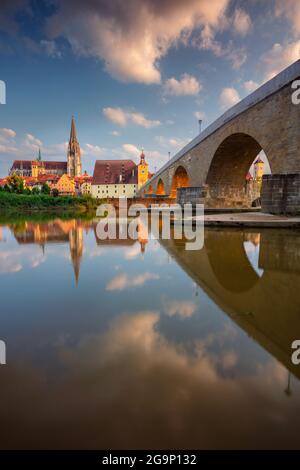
(259, 168)
(65, 186)
(143, 173)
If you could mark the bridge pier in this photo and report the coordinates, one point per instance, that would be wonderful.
(217, 197)
(281, 194)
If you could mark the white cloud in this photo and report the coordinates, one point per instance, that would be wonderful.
(131, 37)
(116, 115)
(186, 86)
(206, 41)
(7, 133)
(121, 117)
(241, 22)
(94, 150)
(115, 133)
(51, 49)
(229, 97)
(140, 120)
(131, 149)
(7, 141)
(280, 57)
(170, 142)
(183, 309)
(124, 281)
(250, 86)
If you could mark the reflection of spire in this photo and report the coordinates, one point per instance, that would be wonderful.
(142, 236)
(288, 390)
(76, 249)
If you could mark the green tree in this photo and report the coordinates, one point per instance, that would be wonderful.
(55, 192)
(45, 189)
(35, 190)
(16, 184)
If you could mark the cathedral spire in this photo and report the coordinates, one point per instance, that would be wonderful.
(74, 157)
(73, 135)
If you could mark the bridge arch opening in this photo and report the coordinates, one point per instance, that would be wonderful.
(149, 190)
(180, 180)
(229, 179)
(160, 191)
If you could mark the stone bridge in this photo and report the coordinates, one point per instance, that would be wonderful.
(214, 164)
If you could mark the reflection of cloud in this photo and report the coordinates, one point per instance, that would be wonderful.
(13, 261)
(133, 252)
(184, 308)
(252, 252)
(131, 378)
(123, 281)
(8, 263)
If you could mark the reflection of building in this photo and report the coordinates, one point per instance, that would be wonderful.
(58, 231)
(254, 238)
(143, 236)
(76, 249)
(120, 240)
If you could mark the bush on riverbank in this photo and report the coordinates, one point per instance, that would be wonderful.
(15, 202)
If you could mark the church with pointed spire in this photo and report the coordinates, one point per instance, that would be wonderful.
(74, 155)
(38, 167)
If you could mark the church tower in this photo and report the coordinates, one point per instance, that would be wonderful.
(74, 157)
(143, 173)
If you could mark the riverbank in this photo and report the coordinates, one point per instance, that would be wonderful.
(23, 203)
(249, 219)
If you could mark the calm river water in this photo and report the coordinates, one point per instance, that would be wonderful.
(142, 344)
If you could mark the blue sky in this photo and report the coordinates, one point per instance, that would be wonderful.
(135, 74)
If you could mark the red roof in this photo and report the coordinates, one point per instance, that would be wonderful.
(25, 164)
(55, 165)
(83, 179)
(45, 178)
(110, 171)
(48, 165)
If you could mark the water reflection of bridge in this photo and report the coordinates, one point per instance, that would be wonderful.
(266, 307)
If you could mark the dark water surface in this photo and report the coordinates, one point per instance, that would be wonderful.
(142, 344)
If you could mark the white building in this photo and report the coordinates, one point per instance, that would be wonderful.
(114, 179)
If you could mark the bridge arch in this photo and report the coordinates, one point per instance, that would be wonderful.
(226, 177)
(180, 179)
(149, 190)
(160, 189)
